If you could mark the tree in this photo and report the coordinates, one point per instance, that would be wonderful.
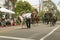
(19, 7)
(50, 5)
(23, 6)
(1, 15)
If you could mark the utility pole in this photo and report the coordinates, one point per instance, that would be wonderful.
(39, 5)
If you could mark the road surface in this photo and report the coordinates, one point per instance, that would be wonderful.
(36, 32)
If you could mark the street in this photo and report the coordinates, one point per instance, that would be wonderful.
(36, 32)
(29, 19)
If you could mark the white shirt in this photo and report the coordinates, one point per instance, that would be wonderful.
(27, 15)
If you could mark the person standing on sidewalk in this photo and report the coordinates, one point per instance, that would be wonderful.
(28, 19)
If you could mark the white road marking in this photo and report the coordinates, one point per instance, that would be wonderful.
(50, 33)
(15, 38)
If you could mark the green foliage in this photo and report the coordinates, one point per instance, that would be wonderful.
(22, 6)
(32, 9)
(27, 6)
(18, 22)
(50, 5)
(58, 15)
(1, 15)
(40, 13)
(19, 6)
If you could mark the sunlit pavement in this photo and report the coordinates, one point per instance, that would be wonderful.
(36, 32)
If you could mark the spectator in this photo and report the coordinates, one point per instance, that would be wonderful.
(8, 22)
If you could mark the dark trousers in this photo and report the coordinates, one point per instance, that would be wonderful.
(8, 23)
(28, 23)
(0, 24)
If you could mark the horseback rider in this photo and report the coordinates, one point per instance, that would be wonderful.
(46, 17)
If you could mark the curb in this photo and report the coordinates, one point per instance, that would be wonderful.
(5, 29)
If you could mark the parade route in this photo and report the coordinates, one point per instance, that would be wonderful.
(36, 32)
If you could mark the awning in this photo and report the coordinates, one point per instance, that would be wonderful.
(6, 10)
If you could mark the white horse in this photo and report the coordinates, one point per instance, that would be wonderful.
(22, 20)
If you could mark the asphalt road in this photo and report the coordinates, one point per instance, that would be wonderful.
(54, 36)
(36, 32)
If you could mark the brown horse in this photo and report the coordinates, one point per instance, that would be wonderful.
(34, 17)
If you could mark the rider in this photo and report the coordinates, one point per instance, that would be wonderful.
(46, 17)
(28, 19)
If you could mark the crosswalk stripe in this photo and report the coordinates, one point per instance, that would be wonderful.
(50, 33)
(15, 38)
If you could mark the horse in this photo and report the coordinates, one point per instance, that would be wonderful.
(34, 17)
(53, 20)
(37, 18)
(49, 18)
(21, 20)
(46, 18)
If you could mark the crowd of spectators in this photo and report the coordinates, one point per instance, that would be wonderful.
(7, 22)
